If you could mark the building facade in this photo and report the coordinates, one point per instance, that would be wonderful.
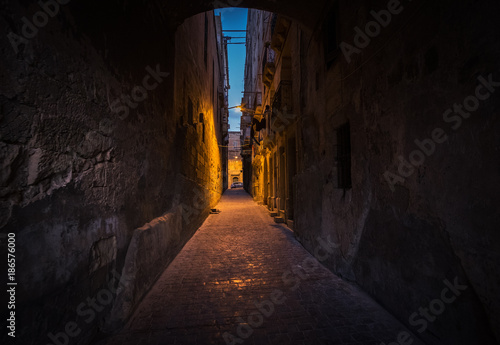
(201, 101)
(268, 118)
(141, 161)
(235, 164)
(396, 137)
(341, 152)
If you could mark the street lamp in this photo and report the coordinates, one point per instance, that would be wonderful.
(240, 108)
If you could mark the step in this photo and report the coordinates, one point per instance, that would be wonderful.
(279, 219)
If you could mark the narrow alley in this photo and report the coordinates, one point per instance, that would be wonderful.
(243, 278)
(352, 148)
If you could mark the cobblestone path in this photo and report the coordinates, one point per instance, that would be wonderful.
(243, 279)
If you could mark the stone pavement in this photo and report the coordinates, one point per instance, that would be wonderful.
(242, 279)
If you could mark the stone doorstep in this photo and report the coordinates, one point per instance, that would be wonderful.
(279, 220)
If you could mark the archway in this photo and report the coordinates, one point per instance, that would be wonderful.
(89, 161)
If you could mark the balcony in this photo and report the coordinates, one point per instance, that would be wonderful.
(258, 102)
(279, 33)
(268, 66)
(246, 120)
(282, 114)
(283, 97)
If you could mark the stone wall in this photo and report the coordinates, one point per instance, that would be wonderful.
(80, 171)
(401, 241)
(92, 147)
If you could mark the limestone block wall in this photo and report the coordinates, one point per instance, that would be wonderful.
(152, 247)
(90, 151)
(415, 81)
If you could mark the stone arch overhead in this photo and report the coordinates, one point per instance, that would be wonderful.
(307, 13)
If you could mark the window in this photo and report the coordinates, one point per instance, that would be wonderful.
(344, 156)
(331, 37)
